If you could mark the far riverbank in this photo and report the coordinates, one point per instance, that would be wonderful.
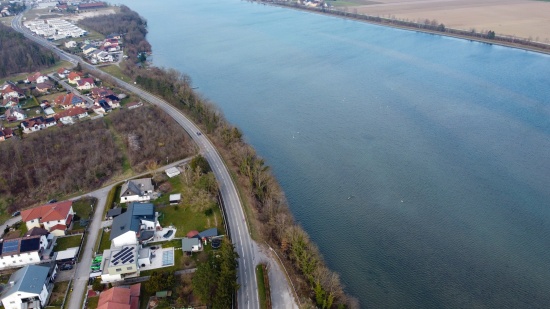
(438, 29)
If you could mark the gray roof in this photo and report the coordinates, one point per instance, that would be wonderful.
(114, 212)
(188, 243)
(131, 219)
(209, 233)
(136, 186)
(30, 279)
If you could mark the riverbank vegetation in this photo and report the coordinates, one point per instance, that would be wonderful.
(426, 25)
(316, 284)
(69, 159)
(18, 54)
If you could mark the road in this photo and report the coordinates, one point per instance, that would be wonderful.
(250, 254)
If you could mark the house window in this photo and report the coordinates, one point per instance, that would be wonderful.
(58, 221)
(118, 269)
(21, 261)
(129, 268)
(13, 262)
(30, 259)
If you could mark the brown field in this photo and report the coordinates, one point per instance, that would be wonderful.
(520, 18)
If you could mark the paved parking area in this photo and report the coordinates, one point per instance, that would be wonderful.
(64, 275)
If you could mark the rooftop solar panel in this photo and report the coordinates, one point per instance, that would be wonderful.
(32, 244)
(120, 252)
(11, 246)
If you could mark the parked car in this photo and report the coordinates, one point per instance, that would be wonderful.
(52, 201)
(15, 214)
(67, 267)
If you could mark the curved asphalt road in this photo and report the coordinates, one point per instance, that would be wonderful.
(249, 252)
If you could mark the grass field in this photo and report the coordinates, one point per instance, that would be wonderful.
(115, 71)
(187, 216)
(92, 302)
(105, 243)
(521, 18)
(58, 293)
(67, 242)
(261, 286)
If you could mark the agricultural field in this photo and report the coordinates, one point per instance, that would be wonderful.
(520, 18)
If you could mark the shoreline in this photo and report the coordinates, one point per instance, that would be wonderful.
(392, 24)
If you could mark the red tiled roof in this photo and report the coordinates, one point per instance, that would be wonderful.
(61, 227)
(115, 295)
(70, 112)
(48, 212)
(73, 75)
(135, 290)
(83, 81)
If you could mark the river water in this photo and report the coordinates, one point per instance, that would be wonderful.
(419, 164)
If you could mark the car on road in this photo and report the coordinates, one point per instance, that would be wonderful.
(199, 133)
(15, 214)
(168, 234)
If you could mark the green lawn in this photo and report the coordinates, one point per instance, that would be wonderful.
(92, 302)
(105, 242)
(116, 72)
(58, 293)
(67, 242)
(84, 207)
(187, 216)
(261, 286)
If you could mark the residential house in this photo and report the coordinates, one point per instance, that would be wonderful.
(49, 216)
(88, 49)
(68, 116)
(7, 132)
(137, 224)
(37, 124)
(5, 12)
(14, 114)
(120, 263)
(62, 72)
(85, 84)
(22, 251)
(36, 78)
(74, 77)
(101, 92)
(120, 297)
(10, 101)
(10, 90)
(70, 44)
(136, 190)
(191, 244)
(98, 109)
(115, 36)
(29, 287)
(44, 87)
(69, 100)
(37, 231)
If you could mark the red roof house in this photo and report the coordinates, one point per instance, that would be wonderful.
(49, 216)
(120, 298)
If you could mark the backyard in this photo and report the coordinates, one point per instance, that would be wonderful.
(63, 243)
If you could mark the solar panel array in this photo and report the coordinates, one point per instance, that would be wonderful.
(11, 246)
(123, 256)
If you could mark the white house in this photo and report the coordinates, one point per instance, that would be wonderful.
(29, 287)
(137, 224)
(37, 124)
(85, 84)
(22, 251)
(15, 113)
(70, 44)
(136, 190)
(191, 244)
(49, 216)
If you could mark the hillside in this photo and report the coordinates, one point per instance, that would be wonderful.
(18, 54)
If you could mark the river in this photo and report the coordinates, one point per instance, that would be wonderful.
(419, 164)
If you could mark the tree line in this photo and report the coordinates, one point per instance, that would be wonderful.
(63, 160)
(317, 285)
(17, 54)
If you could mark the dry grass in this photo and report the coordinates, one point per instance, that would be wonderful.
(520, 18)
